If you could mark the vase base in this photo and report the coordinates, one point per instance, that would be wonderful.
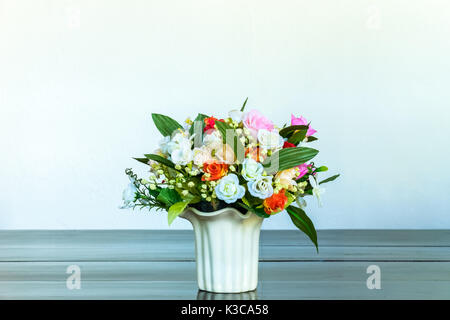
(228, 291)
(206, 295)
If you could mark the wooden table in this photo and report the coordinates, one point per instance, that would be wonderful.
(150, 264)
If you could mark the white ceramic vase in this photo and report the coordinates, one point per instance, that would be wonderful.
(226, 249)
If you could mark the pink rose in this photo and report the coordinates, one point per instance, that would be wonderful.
(255, 121)
(302, 122)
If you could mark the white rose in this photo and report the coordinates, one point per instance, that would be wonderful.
(261, 187)
(251, 170)
(270, 139)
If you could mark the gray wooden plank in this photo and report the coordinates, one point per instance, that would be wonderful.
(160, 251)
(185, 271)
(188, 290)
(123, 238)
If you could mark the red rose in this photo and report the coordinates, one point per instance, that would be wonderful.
(210, 122)
(288, 145)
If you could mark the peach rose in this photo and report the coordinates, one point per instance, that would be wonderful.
(286, 178)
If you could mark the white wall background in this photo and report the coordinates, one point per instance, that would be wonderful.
(79, 80)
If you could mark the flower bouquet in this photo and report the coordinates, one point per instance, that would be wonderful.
(227, 176)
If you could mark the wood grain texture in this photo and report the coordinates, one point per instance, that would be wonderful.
(143, 264)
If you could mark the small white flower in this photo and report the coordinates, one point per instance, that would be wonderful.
(164, 145)
(182, 156)
(270, 139)
(179, 140)
(212, 138)
(236, 115)
(317, 190)
(128, 196)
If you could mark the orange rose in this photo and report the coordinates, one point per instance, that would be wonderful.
(275, 203)
(216, 171)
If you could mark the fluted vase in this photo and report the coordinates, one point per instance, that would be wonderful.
(226, 249)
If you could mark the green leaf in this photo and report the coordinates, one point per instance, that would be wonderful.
(243, 106)
(332, 178)
(200, 117)
(175, 210)
(166, 125)
(298, 137)
(321, 169)
(143, 160)
(285, 132)
(288, 158)
(259, 212)
(301, 221)
(311, 139)
(160, 159)
(245, 201)
(237, 145)
(168, 196)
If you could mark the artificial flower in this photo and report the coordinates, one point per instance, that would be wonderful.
(223, 152)
(164, 145)
(286, 178)
(270, 139)
(303, 169)
(129, 196)
(202, 155)
(255, 121)
(317, 191)
(210, 122)
(236, 115)
(275, 203)
(198, 168)
(302, 121)
(214, 171)
(261, 187)
(229, 189)
(288, 145)
(251, 170)
(179, 140)
(212, 137)
(255, 154)
(182, 155)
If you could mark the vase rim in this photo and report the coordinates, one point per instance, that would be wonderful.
(215, 213)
